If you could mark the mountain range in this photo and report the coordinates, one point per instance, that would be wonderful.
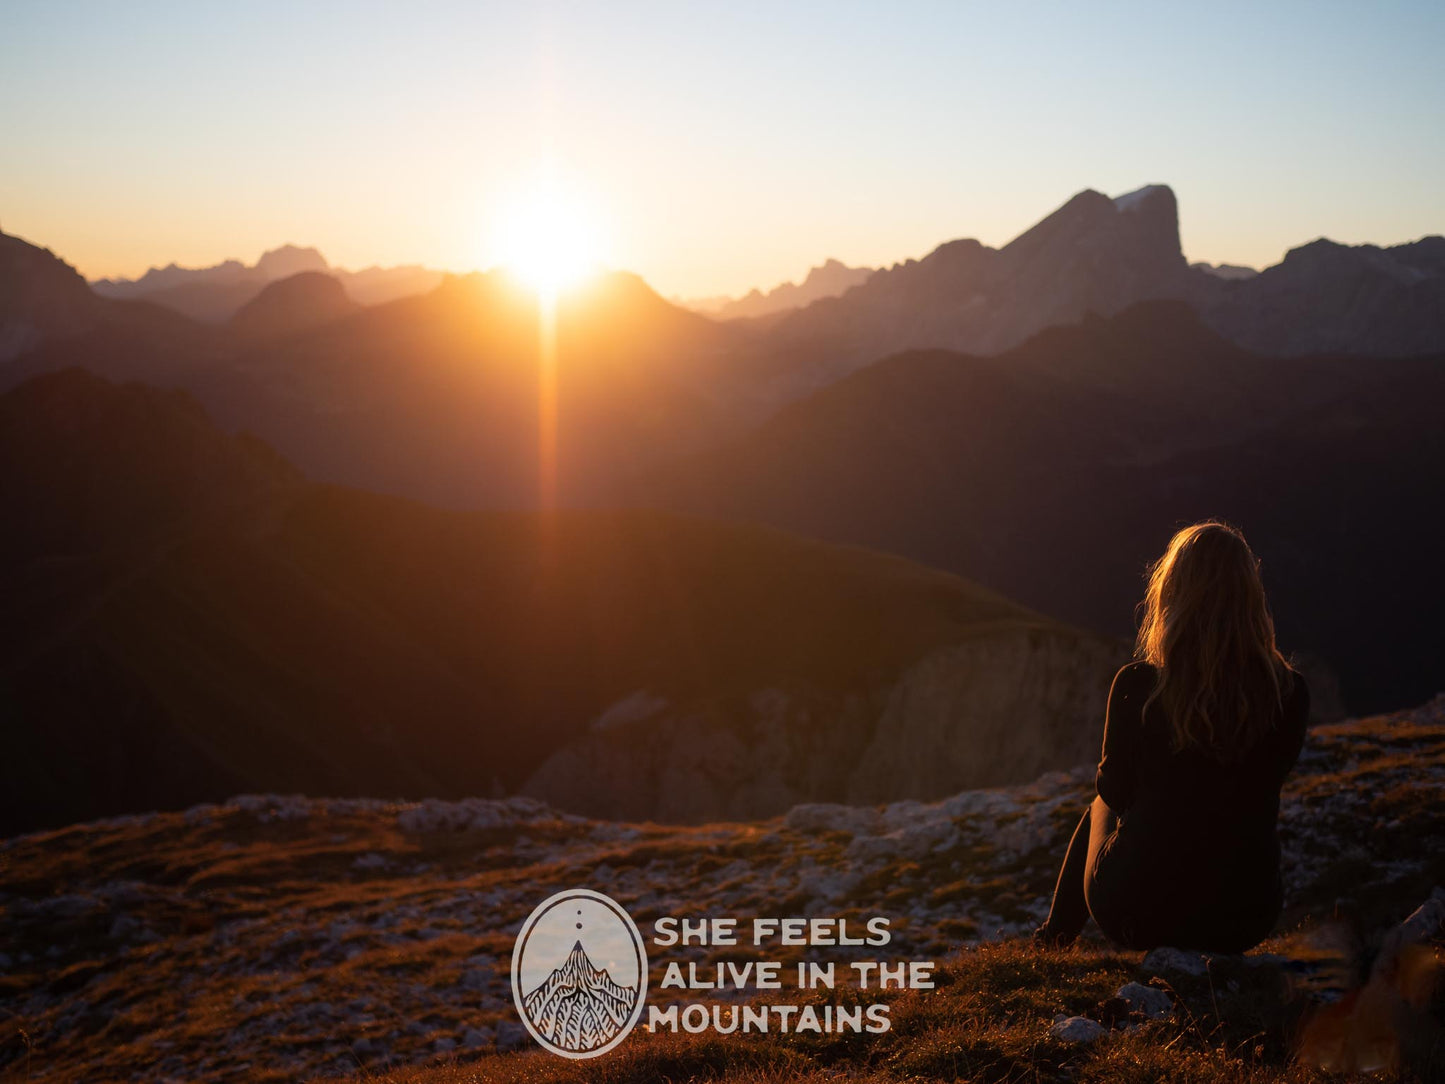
(1096, 255)
(187, 618)
(1035, 417)
(1055, 471)
(829, 279)
(215, 294)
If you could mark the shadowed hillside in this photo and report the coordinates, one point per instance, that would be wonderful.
(1056, 471)
(186, 619)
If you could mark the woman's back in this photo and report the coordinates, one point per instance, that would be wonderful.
(1194, 841)
(1164, 792)
(1180, 845)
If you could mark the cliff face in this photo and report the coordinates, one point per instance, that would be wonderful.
(1092, 255)
(999, 707)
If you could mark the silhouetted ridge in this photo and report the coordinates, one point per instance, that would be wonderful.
(304, 300)
(87, 465)
(1326, 297)
(830, 279)
(215, 294)
(40, 295)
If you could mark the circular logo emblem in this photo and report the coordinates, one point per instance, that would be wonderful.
(579, 973)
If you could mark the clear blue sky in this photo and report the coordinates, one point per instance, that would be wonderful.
(718, 145)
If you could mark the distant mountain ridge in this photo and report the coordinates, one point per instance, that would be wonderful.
(298, 302)
(1329, 298)
(829, 279)
(1093, 254)
(1099, 255)
(434, 396)
(215, 294)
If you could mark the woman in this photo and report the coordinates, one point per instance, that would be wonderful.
(1179, 848)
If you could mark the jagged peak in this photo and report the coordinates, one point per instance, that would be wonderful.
(1132, 201)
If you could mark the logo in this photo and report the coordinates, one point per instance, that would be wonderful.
(579, 973)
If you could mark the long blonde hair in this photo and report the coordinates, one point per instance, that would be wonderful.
(1207, 630)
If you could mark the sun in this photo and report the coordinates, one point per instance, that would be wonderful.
(548, 238)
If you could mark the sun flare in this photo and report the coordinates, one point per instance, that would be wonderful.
(548, 238)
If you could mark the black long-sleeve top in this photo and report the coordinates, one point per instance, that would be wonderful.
(1181, 808)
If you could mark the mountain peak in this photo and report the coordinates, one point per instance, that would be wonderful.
(1132, 201)
(288, 260)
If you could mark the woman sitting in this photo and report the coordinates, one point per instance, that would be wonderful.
(1180, 848)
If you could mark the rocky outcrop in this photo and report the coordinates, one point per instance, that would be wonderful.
(1093, 255)
(710, 762)
(996, 709)
(999, 707)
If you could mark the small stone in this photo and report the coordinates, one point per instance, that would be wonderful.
(1165, 959)
(1077, 1029)
(510, 1035)
(1153, 1003)
(444, 1045)
(475, 1037)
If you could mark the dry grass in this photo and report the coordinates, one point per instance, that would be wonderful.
(988, 1020)
(278, 940)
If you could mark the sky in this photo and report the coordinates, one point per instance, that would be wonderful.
(710, 147)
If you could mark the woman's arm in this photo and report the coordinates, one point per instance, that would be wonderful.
(1296, 722)
(1117, 777)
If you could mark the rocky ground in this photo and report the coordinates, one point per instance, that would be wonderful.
(280, 938)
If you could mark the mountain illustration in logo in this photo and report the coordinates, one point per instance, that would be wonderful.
(578, 1007)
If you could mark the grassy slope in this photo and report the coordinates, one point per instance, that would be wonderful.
(986, 1021)
(282, 939)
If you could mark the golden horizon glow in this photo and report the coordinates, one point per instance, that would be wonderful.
(549, 238)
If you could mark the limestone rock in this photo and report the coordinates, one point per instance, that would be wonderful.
(1152, 1002)
(1163, 960)
(1077, 1029)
